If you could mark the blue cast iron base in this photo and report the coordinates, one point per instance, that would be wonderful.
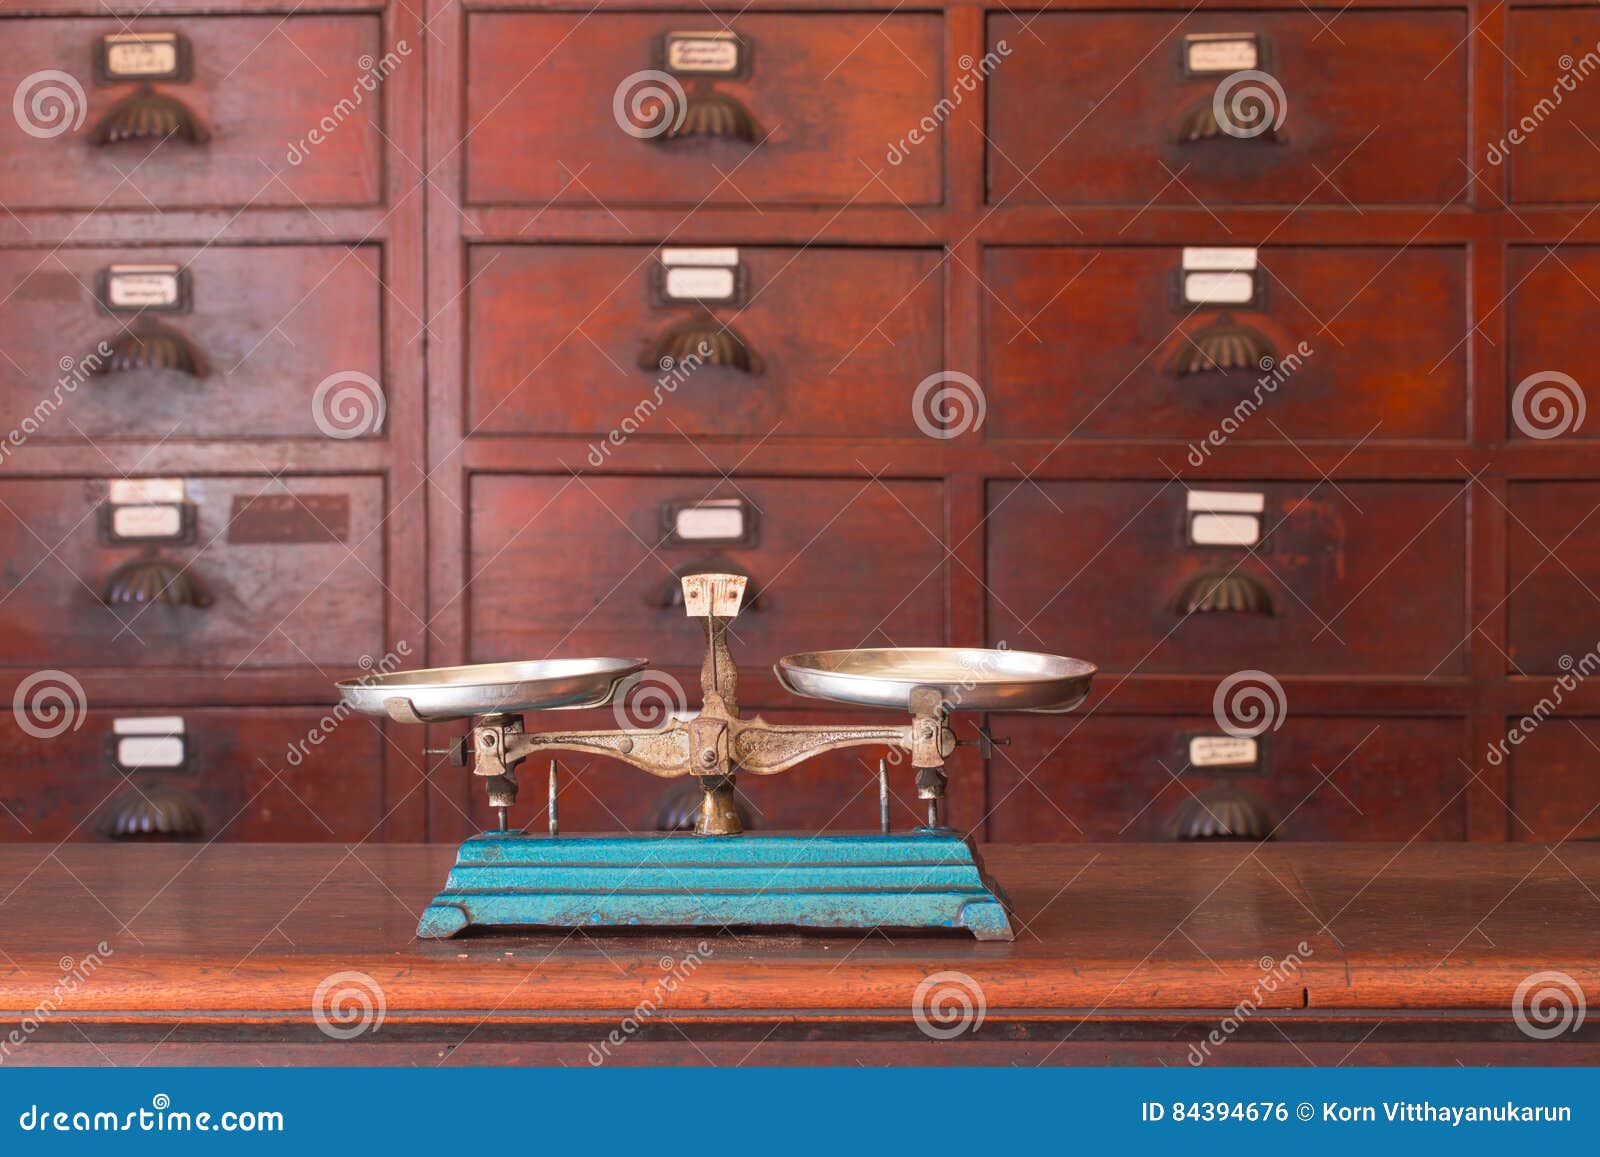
(927, 878)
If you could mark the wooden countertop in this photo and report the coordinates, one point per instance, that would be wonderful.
(230, 936)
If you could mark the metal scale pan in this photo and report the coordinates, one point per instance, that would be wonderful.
(968, 678)
(437, 694)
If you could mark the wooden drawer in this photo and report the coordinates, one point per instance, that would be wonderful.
(1358, 578)
(1552, 108)
(1093, 107)
(1109, 777)
(292, 569)
(1554, 794)
(582, 566)
(246, 773)
(1552, 335)
(1554, 570)
(1099, 343)
(826, 95)
(837, 791)
(570, 340)
(257, 329)
(258, 86)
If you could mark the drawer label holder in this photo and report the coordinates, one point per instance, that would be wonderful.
(163, 288)
(708, 276)
(1224, 517)
(145, 743)
(147, 510)
(1220, 53)
(720, 53)
(121, 57)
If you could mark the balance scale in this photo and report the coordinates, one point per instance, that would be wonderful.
(720, 875)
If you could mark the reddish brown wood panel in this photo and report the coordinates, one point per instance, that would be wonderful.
(1362, 578)
(835, 564)
(566, 340)
(1317, 778)
(291, 567)
(1087, 342)
(266, 325)
(260, 86)
(1550, 311)
(1554, 794)
(262, 773)
(1549, 108)
(1089, 108)
(830, 93)
(1554, 571)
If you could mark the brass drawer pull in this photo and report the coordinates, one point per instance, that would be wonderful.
(153, 578)
(1222, 812)
(700, 341)
(149, 346)
(148, 115)
(154, 812)
(709, 113)
(1221, 347)
(1232, 593)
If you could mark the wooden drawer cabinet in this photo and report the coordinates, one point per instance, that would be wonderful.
(571, 340)
(1097, 342)
(817, 103)
(1554, 795)
(257, 86)
(1554, 571)
(256, 330)
(1362, 578)
(290, 571)
(588, 566)
(1551, 105)
(245, 774)
(1095, 107)
(1110, 777)
(1551, 317)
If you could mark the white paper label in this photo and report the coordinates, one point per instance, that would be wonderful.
(1227, 259)
(722, 522)
(136, 54)
(689, 283)
(1219, 288)
(146, 490)
(162, 521)
(148, 725)
(1211, 52)
(707, 53)
(1222, 751)
(142, 286)
(141, 751)
(1224, 529)
(149, 741)
(1250, 502)
(727, 256)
